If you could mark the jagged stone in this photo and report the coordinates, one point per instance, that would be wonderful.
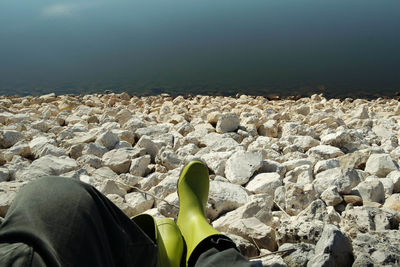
(227, 123)
(241, 166)
(138, 166)
(380, 165)
(332, 249)
(343, 179)
(264, 183)
(108, 140)
(224, 197)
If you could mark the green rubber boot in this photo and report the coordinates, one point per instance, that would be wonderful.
(165, 233)
(193, 186)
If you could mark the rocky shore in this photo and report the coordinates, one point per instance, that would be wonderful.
(309, 182)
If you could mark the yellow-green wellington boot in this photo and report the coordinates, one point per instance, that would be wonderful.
(165, 233)
(193, 186)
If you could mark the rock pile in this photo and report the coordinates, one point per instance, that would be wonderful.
(316, 180)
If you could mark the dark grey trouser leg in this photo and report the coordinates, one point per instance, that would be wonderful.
(221, 252)
(70, 223)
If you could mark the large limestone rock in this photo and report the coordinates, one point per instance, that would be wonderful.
(343, 179)
(8, 191)
(224, 197)
(371, 190)
(138, 166)
(139, 202)
(298, 254)
(331, 196)
(332, 249)
(298, 197)
(365, 219)
(45, 166)
(377, 248)
(216, 161)
(393, 202)
(324, 152)
(241, 166)
(117, 160)
(8, 138)
(227, 123)
(264, 183)
(292, 230)
(108, 139)
(380, 165)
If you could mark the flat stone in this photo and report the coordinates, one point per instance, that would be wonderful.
(227, 123)
(241, 166)
(224, 197)
(264, 183)
(380, 165)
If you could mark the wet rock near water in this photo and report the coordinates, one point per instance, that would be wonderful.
(305, 182)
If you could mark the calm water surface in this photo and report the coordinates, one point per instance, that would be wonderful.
(208, 46)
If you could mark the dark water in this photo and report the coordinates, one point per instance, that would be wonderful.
(286, 47)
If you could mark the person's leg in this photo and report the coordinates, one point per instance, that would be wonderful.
(70, 223)
(220, 251)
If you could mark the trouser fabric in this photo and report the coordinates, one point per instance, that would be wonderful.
(56, 221)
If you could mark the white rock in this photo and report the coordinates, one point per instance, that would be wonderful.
(298, 197)
(331, 196)
(324, 165)
(38, 143)
(293, 230)
(270, 129)
(94, 149)
(150, 147)
(272, 166)
(168, 158)
(380, 165)
(167, 185)
(216, 161)
(104, 173)
(218, 142)
(140, 202)
(387, 185)
(324, 152)
(184, 128)
(121, 204)
(360, 113)
(264, 183)
(10, 137)
(89, 160)
(371, 190)
(20, 148)
(117, 160)
(292, 128)
(393, 202)
(6, 199)
(357, 220)
(224, 197)
(227, 123)
(241, 166)
(292, 164)
(4, 174)
(49, 149)
(139, 165)
(45, 166)
(108, 140)
(168, 210)
(395, 176)
(301, 175)
(333, 249)
(343, 179)
(110, 187)
(154, 131)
